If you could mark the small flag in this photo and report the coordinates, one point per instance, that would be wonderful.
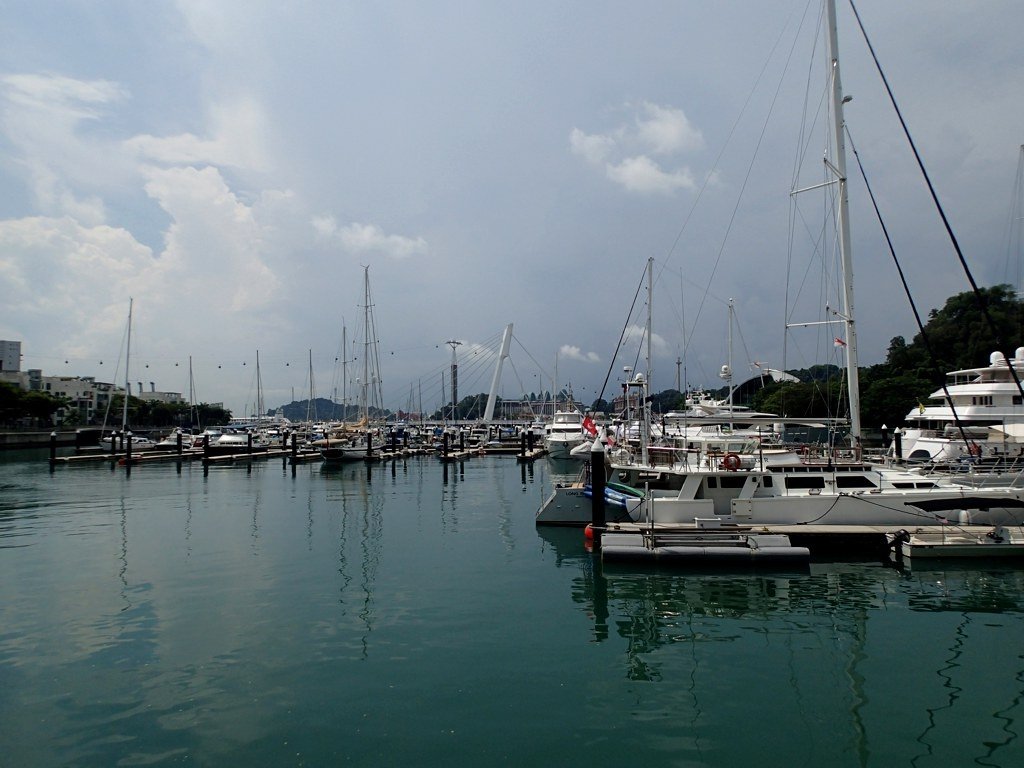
(589, 425)
(839, 342)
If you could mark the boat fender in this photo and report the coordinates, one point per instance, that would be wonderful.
(731, 462)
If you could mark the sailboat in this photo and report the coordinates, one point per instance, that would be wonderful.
(355, 445)
(836, 489)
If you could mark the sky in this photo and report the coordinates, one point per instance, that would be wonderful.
(231, 168)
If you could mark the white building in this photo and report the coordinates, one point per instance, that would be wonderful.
(10, 356)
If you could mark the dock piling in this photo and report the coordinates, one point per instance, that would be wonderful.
(597, 483)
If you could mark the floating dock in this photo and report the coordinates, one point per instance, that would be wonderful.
(786, 544)
(699, 549)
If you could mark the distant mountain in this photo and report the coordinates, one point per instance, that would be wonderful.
(323, 409)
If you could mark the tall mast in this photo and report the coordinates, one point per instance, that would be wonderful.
(259, 390)
(729, 380)
(127, 359)
(366, 346)
(650, 288)
(843, 225)
(344, 374)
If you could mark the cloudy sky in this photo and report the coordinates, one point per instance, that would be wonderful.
(232, 167)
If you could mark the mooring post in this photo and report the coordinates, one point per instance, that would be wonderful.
(522, 445)
(127, 438)
(597, 483)
(248, 443)
(295, 451)
(113, 443)
(444, 445)
(53, 449)
(530, 439)
(897, 436)
(369, 444)
(462, 440)
(177, 443)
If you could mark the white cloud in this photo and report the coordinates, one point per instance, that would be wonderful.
(593, 148)
(637, 334)
(625, 151)
(237, 138)
(58, 276)
(61, 97)
(641, 174)
(572, 352)
(41, 116)
(366, 238)
(667, 130)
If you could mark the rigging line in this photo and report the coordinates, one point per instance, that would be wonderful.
(629, 316)
(746, 179)
(1014, 222)
(728, 139)
(539, 366)
(906, 290)
(982, 301)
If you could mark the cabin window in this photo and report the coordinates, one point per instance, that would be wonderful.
(733, 481)
(810, 481)
(712, 482)
(903, 486)
(925, 485)
(766, 482)
(1017, 400)
(854, 481)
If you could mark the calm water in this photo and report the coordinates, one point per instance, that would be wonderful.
(383, 616)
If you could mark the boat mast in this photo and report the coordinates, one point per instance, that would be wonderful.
(366, 347)
(259, 390)
(728, 381)
(344, 375)
(309, 403)
(650, 288)
(843, 224)
(127, 360)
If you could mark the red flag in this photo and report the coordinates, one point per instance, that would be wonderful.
(839, 342)
(589, 425)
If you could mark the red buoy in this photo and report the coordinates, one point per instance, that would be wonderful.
(588, 532)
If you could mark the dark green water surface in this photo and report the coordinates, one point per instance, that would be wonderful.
(390, 616)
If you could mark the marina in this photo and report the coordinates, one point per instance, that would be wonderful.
(352, 550)
(413, 613)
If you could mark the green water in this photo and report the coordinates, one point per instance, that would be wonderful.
(391, 616)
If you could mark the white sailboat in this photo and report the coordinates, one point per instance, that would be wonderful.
(356, 444)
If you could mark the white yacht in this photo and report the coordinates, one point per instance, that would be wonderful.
(989, 409)
(563, 433)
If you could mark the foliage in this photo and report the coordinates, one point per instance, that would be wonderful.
(17, 404)
(157, 414)
(958, 335)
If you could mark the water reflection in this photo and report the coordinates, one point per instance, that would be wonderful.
(361, 530)
(831, 635)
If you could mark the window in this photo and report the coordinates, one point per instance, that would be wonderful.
(854, 481)
(811, 481)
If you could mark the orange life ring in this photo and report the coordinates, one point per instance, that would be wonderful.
(731, 462)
